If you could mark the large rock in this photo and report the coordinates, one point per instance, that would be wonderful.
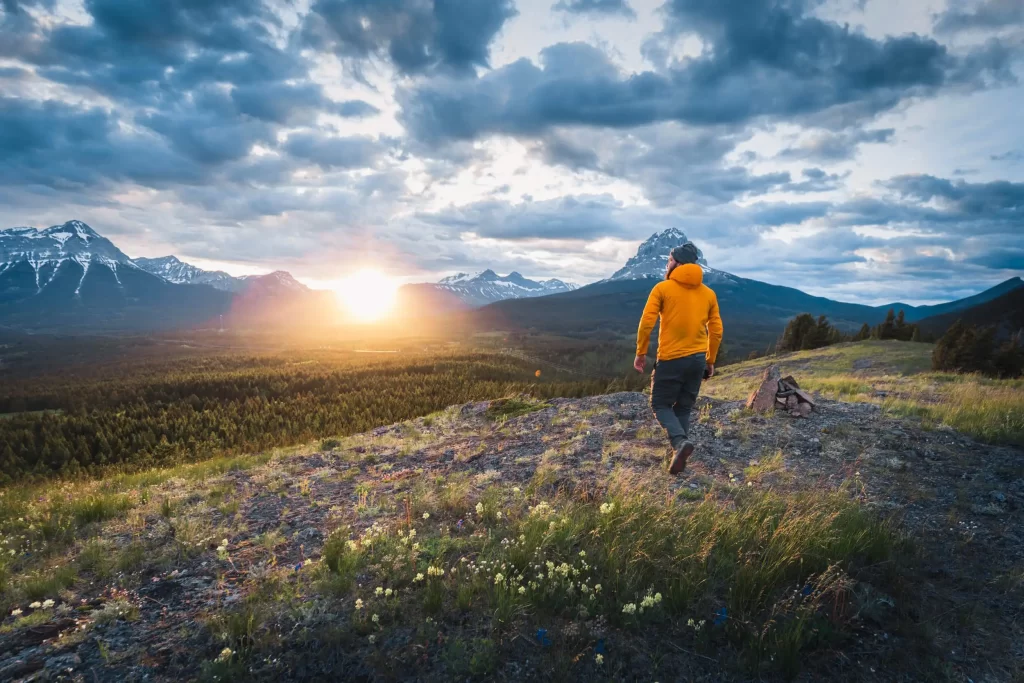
(762, 399)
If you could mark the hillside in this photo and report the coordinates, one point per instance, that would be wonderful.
(541, 540)
(897, 377)
(1005, 313)
(754, 313)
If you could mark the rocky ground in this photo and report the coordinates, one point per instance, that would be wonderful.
(960, 501)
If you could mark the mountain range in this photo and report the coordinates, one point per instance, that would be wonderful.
(69, 278)
(754, 312)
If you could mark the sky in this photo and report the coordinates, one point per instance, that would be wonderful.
(864, 150)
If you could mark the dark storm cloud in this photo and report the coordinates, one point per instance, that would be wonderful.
(764, 59)
(996, 200)
(57, 145)
(833, 147)
(985, 15)
(596, 7)
(414, 34)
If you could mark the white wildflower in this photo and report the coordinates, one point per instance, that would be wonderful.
(426, 515)
(359, 603)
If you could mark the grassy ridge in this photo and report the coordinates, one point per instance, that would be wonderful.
(898, 377)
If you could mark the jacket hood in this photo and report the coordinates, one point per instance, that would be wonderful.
(688, 275)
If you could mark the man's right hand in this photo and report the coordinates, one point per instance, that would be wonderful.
(640, 363)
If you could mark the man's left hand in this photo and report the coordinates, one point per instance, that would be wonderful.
(640, 363)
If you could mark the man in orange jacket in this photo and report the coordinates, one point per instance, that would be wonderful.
(691, 332)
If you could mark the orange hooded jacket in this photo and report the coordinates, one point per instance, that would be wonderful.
(690, 322)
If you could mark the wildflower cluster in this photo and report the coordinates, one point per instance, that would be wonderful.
(649, 602)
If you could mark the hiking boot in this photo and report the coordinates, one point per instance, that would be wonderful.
(679, 461)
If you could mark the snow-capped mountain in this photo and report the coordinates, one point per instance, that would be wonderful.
(69, 276)
(488, 287)
(33, 260)
(54, 251)
(174, 270)
(652, 257)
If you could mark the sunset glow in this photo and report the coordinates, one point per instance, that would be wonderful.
(367, 295)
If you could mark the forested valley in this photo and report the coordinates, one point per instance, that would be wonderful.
(74, 413)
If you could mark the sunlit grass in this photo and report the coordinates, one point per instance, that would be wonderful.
(897, 376)
(991, 410)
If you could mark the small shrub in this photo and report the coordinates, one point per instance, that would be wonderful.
(115, 610)
(341, 559)
(48, 585)
(95, 558)
(132, 558)
(508, 408)
(453, 495)
(99, 508)
(330, 444)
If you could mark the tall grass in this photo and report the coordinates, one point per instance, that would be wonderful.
(990, 410)
(768, 574)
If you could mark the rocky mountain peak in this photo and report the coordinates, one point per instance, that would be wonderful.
(652, 257)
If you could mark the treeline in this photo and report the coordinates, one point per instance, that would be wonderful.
(805, 332)
(201, 407)
(966, 348)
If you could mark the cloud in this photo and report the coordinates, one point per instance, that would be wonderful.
(574, 218)
(984, 15)
(286, 103)
(596, 7)
(61, 146)
(415, 35)
(763, 60)
(999, 200)
(1011, 155)
(832, 147)
(334, 152)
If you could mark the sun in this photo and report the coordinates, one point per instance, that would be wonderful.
(368, 295)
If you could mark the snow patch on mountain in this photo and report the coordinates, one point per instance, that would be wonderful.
(174, 270)
(652, 258)
(52, 247)
(487, 287)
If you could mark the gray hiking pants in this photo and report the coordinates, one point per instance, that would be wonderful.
(674, 387)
